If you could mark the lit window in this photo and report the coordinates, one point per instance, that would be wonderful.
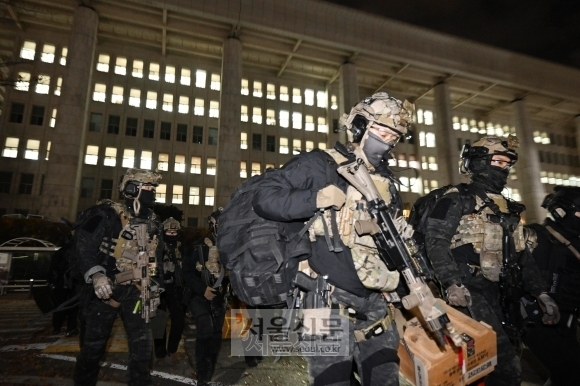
(209, 196)
(421, 138)
(135, 97)
(10, 148)
(128, 158)
(257, 115)
(296, 96)
(151, 102)
(419, 115)
(430, 139)
(545, 139)
(551, 179)
(23, 81)
(283, 145)
(498, 131)
(244, 113)
(185, 77)
(321, 99)
(333, 102)
(121, 66)
(424, 165)
(146, 159)
(402, 160)
(53, 118)
(103, 63)
(296, 146)
(92, 156)
(154, 71)
(245, 87)
(48, 51)
(309, 145)
(200, 78)
(167, 102)
(456, 124)
(244, 141)
(284, 118)
(270, 117)
(214, 109)
(100, 93)
(284, 93)
(270, 166)
(110, 156)
(211, 167)
(183, 105)
(428, 115)
(413, 163)
(193, 195)
(42, 87)
(432, 163)
(170, 74)
(256, 168)
(309, 97)
(177, 194)
(58, 86)
(297, 120)
(243, 170)
(198, 109)
(28, 50)
(117, 95)
(322, 145)
(195, 165)
(161, 193)
(48, 150)
(257, 89)
(215, 83)
(322, 126)
(404, 186)
(271, 91)
(63, 56)
(309, 123)
(473, 126)
(32, 146)
(137, 69)
(179, 163)
(163, 162)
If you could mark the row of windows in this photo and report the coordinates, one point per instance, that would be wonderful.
(41, 83)
(17, 111)
(559, 179)
(482, 127)
(558, 158)
(31, 151)
(554, 139)
(24, 185)
(47, 55)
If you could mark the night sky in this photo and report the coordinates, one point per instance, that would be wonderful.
(546, 29)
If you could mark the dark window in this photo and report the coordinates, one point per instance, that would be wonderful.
(192, 221)
(17, 113)
(271, 143)
(131, 128)
(95, 123)
(212, 136)
(570, 160)
(165, 131)
(562, 159)
(26, 181)
(335, 125)
(548, 158)
(114, 123)
(5, 182)
(148, 128)
(87, 186)
(576, 161)
(37, 116)
(181, 133)
(541, 155)
(558, 139)
(197, 134)
(41, 184)
(459, 144)
(256, 141)
(573, 142)
(552, 139)
(555, 158)
(107, 189)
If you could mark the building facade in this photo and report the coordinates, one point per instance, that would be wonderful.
(212, 92)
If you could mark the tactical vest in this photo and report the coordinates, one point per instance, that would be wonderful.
(486, 235)
(371, 270)
(211, 269)
(171, 261)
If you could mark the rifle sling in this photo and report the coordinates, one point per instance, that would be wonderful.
(564, 241)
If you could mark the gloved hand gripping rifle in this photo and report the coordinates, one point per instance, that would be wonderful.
(394, 252)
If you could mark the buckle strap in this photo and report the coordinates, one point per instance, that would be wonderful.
(377, 328)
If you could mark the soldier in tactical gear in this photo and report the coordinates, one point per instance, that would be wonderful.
(119, 249)
(465, 243)
(309, 183)
(204, 275)
(557, 255)
(172, 297)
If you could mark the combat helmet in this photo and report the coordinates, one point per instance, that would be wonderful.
(565, 201)
(476, 157)
(171, 224)
(133, 178)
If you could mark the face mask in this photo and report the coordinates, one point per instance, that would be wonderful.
(170, 238)
(375, 149)
(495, 179)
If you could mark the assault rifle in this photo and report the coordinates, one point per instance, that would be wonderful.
(395, 252)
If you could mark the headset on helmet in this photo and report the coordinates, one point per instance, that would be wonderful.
(565, 200)
(488, 147)
(133, 178)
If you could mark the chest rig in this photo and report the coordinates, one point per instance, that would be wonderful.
(482, 229)
(171, 257)
(371, 270)
(211, 269)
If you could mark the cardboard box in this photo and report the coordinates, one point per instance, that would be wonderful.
(429, 365)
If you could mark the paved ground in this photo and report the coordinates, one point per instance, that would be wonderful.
(33, 355)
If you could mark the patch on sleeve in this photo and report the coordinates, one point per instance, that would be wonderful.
(441, 208)
(92, 224)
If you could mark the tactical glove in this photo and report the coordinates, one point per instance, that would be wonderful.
(103, 286)
(459, 296)
(210, 293)
(550, 308)
(330, 196)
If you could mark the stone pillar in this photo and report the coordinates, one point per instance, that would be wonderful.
(63, 174)
(348, 92)
(229, 153)
(447, 154)
(528, 165)
(577, 124)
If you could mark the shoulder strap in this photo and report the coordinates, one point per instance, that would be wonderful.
(564, 241)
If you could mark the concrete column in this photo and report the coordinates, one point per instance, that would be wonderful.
(63, 174)
(528, 165)
(348, 92)
(229, 153)
(577, 125)
(447, 154)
